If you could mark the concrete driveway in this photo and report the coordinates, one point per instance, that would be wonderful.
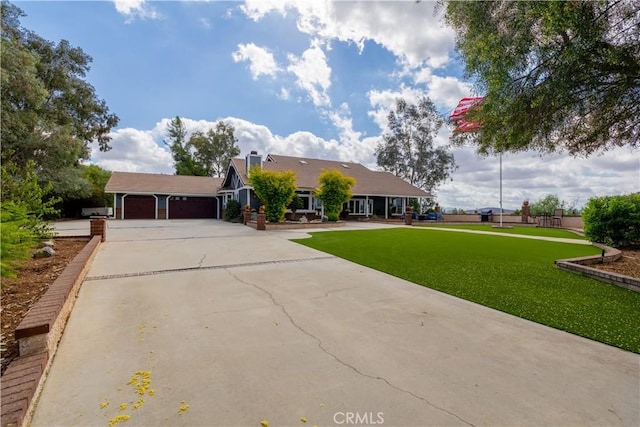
(219, 324)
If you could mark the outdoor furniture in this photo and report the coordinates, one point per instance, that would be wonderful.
(544, 220)
(557, 217)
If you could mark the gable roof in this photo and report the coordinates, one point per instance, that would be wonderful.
(150, 183)
(307, 170)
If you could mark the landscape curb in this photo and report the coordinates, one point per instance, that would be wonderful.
(581, 266)
(38, 335)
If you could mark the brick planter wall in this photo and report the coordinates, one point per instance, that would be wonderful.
(581, 266)
(38, 335)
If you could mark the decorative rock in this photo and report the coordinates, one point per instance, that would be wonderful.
(48, 251)
(48, 244)
(45, 252)
(304, 219)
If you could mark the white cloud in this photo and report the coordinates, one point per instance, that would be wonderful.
(284, 94)
(313, 74)
(341, 119)
(133, 9)
(261, 61)
(409, 30)
(447, 91)
(382, 101)
(134, 151)
(206, 23)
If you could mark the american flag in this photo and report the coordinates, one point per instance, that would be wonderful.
(460, 111)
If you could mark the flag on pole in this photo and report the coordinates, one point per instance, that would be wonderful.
(458, 115)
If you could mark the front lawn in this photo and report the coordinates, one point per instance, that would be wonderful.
(528, 231)
(513, 275)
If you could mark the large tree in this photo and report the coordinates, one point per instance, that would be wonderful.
(215, 148)
(50, 114)
(203, 154)
(557, 75)
(408, 150)
(183, 160)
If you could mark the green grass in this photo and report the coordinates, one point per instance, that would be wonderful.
(528, 231)
(513, 275)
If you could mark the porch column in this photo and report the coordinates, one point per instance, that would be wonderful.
(386, 207)
(366, 206)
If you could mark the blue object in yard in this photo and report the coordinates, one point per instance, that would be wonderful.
(434, 216)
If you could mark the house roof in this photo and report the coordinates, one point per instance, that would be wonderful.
(307, 170)
(149, 183)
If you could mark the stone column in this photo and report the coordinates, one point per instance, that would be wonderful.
(247, 214)
(407, 216)
(526, 212)
(99, 228)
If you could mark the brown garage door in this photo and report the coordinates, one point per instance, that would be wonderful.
(139, 207)
(181, 207)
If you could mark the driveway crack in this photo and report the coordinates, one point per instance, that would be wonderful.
(336, 358)
(202, 260)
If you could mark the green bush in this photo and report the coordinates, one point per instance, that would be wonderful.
(295, 205)
(275, 190)
(613, 220)
(334, 191)
(23, 209)
(232, 211)
(16, 239)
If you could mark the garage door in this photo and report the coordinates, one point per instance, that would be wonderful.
(181, 207)
(139, 207)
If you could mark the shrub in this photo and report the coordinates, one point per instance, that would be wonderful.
(232, 211)
(334, 191)
(16, 238)
(613, 220)
(295, 204)
(275, 190)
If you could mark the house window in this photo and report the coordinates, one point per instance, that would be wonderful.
(359, 206)
(307, 203)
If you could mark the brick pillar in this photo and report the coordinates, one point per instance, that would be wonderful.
(407, 216)
(261, 223)
(99, 228)
(526, 211)
(247, 214)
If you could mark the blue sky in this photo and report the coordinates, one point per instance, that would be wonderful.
(301, 78)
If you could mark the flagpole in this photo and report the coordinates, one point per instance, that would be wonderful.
(501, 189)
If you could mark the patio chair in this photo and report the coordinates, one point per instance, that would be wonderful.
(557, 217)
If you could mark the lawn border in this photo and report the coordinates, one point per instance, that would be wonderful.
(580, 265)
(38, 335)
